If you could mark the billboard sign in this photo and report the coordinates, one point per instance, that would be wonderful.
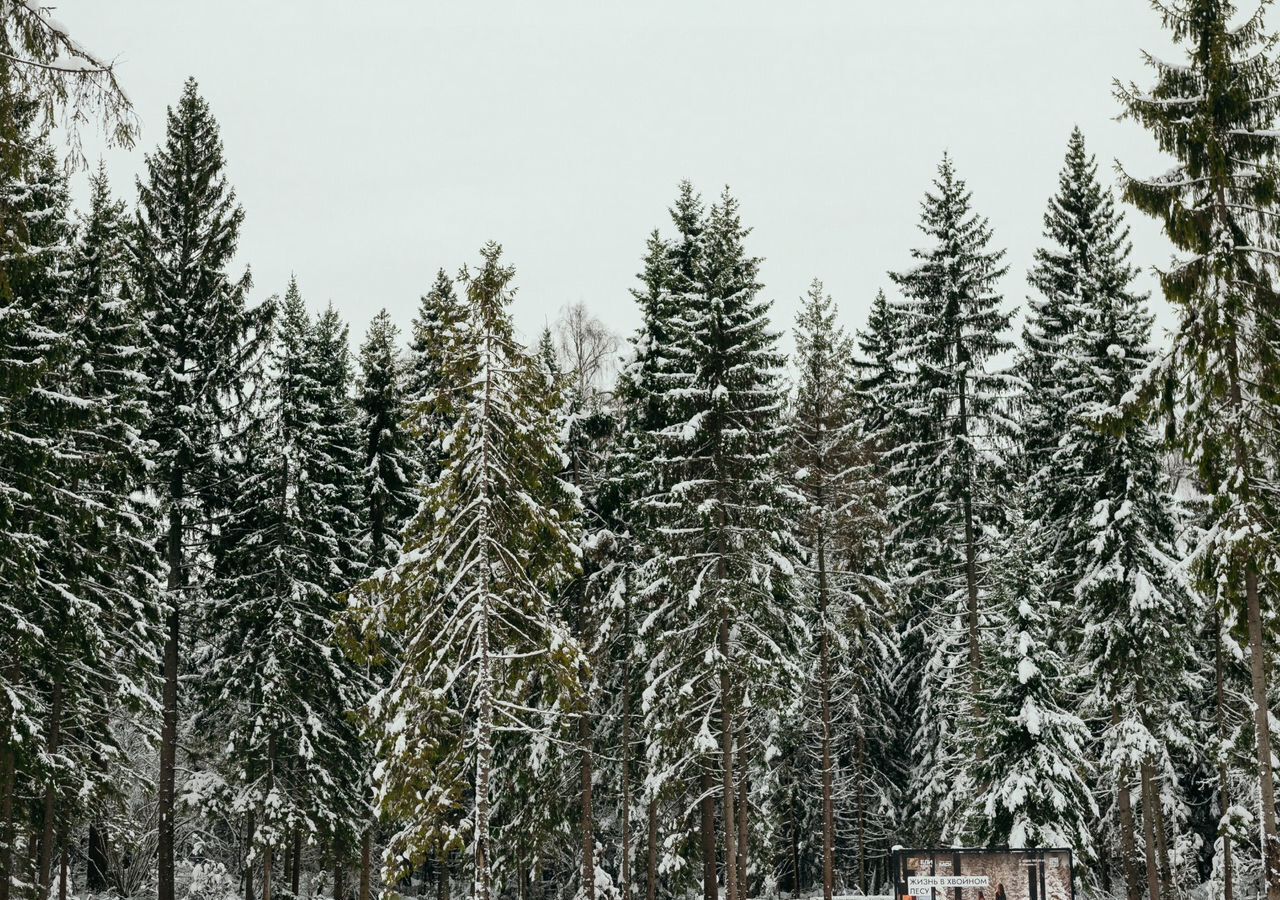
(960, 874)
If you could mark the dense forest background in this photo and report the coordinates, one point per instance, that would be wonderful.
(288, 612)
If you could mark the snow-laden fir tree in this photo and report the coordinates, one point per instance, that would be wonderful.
(201, 340)
(390, 471)
(280, 692)
(104, 554)
(840, 525)
(947, 468)
(486, 657)
(1032, 779)
(1214, 112)
(1127, 587)
(79, 609)
(877, 372)
(1084, 257)
(440, 312)
(722, 635)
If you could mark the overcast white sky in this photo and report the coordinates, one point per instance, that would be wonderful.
(373, 141)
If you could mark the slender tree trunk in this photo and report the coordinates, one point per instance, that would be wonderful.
(743, 811)
(7, 835)
(651, 863)
(795, 845)
(859, 775)
(1162, 840)
(366, 863)
(1262, 725)
(970, 562)
(626, 773)
(484, 757)
(339, 887)
(295, 863)
(1154, 890)
(166, 794)
(710, 890)
(588, 819)
(442, 887)
(1224, 785)
(48, 840)
(97, 861)
(1128, 828)
(824, 689)
(726, 765)
(268, 854)
(63, 866)
(269, 851)
(248, 859)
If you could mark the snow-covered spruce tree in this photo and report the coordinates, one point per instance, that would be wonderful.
(1032, 779)
(840, 526)
(200, 342)
(1136, 616)
(279, 692)
(1083, 262)
(722, 636)
(440, 311)
(79, 609)
(485, 654)
(390, 471)
(1214, 112)
(948, 472)
(103, 558)
(622, 544)
(877, 373)
(32, 319)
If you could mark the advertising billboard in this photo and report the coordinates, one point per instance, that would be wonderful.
(954, 874)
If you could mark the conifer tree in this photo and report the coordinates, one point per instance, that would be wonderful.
(486, 657)
(390, 471)
(1034, 784)
(877, 373)
(721, 638)
(1214, 112)
(839, 527)
(279, 692)
(440, 312)
(947, 467)
(200, 341)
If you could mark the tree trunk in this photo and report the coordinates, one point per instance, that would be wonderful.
(484, 746)
(339, 889)
(1128, 828)
(295, 863)
(726, 765)
(859, 775)
(710, 890)
(588, 821)
(63, 866)
(1154, 890)
(970, 562)
(743, 811)
(1262, 725)
(248, 859)
(442, 888)
(98, 863)
(268, 853)
(824, 689)
(169, 699)
(651, 863)
(7, 835)
(1162, 840)
(795, 846)
(1224, 786)
(48, 845)
(626, 775)
(366, 863)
